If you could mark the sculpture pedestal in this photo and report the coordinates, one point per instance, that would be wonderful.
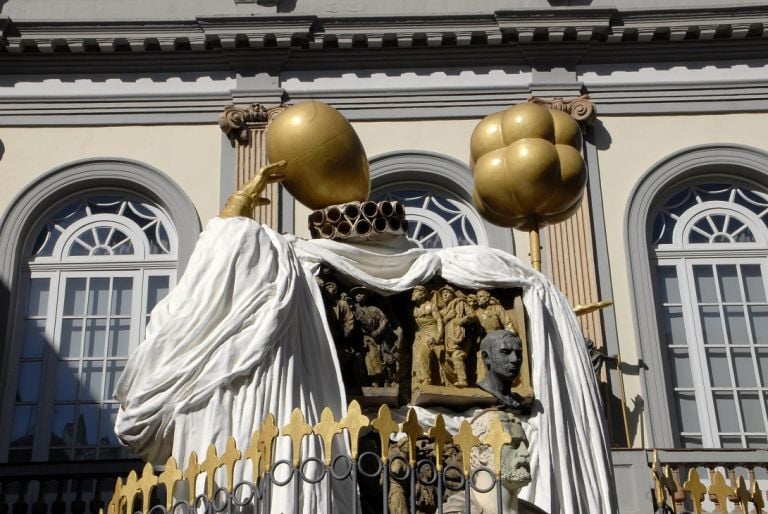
(452, 397)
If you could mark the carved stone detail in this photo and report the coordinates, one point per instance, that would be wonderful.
(235, 122)
(580, 108)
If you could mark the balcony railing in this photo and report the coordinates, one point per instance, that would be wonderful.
(60, 487)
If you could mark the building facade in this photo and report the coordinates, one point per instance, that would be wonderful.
(124, 126)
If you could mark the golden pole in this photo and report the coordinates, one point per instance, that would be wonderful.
(535, 246)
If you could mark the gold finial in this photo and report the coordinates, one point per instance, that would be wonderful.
(230, 456)
(694, 486)
(130, 490)
(466, 440)
(385, 426)
(211, 463)
(147, 482)
(354, 421)
(327, 429)
(757, 498)
(296, 430)
(191, 474)
(269, 432)
(661, 496)
(114, 504)
(496, 438)
(412, 428)
(720, 490)
(742, 493)
(168, 478)
(441, 436)
(582, 309)
(254, 453)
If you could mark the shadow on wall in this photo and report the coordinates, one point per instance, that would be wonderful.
(2, 146)
(600, 136)
(632, 408)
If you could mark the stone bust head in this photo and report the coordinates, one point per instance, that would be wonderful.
(502, 354)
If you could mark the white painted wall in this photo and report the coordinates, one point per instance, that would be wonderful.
(636, 144)
(188, 154)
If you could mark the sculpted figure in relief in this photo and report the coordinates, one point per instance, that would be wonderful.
(428, 336)
(380, 340)
(491, 314)
(456, 315)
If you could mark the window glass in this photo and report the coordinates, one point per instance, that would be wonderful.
(89, 292)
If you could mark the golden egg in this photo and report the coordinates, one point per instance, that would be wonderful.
(527, 120)
(567, 131)
(487, 136)
(327, 164)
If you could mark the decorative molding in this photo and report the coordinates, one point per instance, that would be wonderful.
(719, 161)
(210, 33)
(580, 108)
(238, 122)
(246, 128)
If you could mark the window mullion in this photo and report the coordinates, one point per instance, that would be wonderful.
(699, 364)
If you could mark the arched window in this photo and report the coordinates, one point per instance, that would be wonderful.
(697, 244)
(711, 243)
(436, 192)
(88, 274)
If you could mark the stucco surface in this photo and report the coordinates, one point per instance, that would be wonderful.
(188, 154)
(630, 147)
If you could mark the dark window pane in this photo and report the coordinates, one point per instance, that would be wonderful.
(28, 385)
(669, 290)
(74, 297)
(23, 427)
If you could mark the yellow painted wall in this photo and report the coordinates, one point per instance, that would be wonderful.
(189, 154)
(633, 145)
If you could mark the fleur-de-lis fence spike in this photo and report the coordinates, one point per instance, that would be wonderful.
(413, 430)
(694, 486)
(497, 438)
(130, 490)
(191, 474)
(466, 440)
(327, 429)
(147, 482)
(296, 429)
(211, 463)
(170, 475)
(720, 491)
(742, 493)
(113, 507)
(229, 458)
(440, 435)
(254, 453)
(354, 422)
(269, 432)
(757, 498)
(385, 426)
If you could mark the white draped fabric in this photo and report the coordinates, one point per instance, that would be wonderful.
(243, 334)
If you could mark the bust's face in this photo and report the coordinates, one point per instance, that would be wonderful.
(505, 358)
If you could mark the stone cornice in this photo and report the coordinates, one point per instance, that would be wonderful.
(310, 32)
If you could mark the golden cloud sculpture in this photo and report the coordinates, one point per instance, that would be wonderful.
(326, 162)
(527, 167)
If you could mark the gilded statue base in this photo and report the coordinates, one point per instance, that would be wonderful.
(452, 397)
(376, 396)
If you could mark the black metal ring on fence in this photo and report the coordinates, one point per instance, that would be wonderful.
(425, 463)
(406, 467)
(273, 473)
(304, 476)
(220, 492)
(376, 459)
(184, 504)
(157, 509)
(473, 479)
(202, 500)
(252, 493)
(459, 476)
(348, 472)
